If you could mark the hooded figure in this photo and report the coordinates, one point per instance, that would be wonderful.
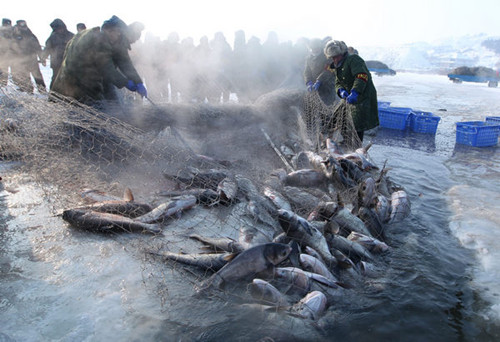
(55, 45)
(354, 84)
(26, 50)
(316, 74)
(5, 50)
(92, 61)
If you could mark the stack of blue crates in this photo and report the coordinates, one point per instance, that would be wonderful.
(403, 118)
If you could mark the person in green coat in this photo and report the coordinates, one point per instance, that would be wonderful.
(91, 62)
(354, 83)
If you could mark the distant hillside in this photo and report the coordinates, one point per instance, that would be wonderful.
(439, 56)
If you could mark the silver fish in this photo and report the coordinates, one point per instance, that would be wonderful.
(306, 178)
(372, 222)
(104, 222)
(305, 234)
(225, 244)
(227, 189)
(323, 211)
(400, 206)
(278, 199)
(349, 248)
(250, 236)
(382, 208)
(249, 263)
(293, 280)
(206, 261)
(126, 208)
(265, 293)
(372, 244)
(349, 222)
(168, 209)
(206, 197)
(195, 178)
(315, 265)
(312, 306)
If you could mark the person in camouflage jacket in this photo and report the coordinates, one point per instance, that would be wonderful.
(55, 45)
(90, 63)
(25, 50)
(316, 74)
(354, 83)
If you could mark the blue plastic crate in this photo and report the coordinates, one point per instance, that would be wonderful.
(424, 122)
(383, 104)
(394, 117)
(493, 120)
(477, 133)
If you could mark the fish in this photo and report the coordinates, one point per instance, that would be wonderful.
(227, 190)
(305, 234)
(250, 236)
(312, 306)
(206, 261)
(258, 213)
(368, 192)
(339, 175)
(105, 222)
(382, 208)
(349, 248)
(168, 209)
(278, 199)
(323, 211)
(225, 244)
(372, 244)
(343, 260)
(302, 202)
(400, 206)
(301, 161)
(128, 209)
(333, 148)
(293, 280)
(93, 196)
(312, 264)
(249, 263)
(353, 170)
(306, 178)
(372, 223)
(206, 197)
(195, 178)
(350, 222)
(265, 293)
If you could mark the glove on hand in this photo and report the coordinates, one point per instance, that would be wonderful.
(316, 85)
(353, 98)
(343, 93)
(131, 85)
(309, 86)
(141, 89)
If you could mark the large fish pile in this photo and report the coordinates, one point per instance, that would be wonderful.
(308, 245)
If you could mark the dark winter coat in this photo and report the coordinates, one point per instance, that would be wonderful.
(54, 47)
(89, 62)
(352, 74)
(316, 69)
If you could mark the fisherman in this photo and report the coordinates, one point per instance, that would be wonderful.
(26, 49)
(80, 27)
(5, 49)
(354, 84)
(55, 45)
(123, 62)
(92, 59)
(316, 74)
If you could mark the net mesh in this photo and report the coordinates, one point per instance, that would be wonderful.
(67, 147)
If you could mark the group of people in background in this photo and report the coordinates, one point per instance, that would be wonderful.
(93, 64)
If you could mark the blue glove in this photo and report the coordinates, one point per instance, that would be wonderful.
(131, 85)
(353, 98)
(309, 86)
(141, 89)
(343, 93)
(316, 85)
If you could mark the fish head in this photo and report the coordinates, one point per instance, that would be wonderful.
(276, 252)
(287, 220)
(71, 215)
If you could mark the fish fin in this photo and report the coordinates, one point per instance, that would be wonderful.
(127, 195)
(230, 257)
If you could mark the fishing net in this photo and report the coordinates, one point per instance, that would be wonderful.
(155, 149)
(333, 121)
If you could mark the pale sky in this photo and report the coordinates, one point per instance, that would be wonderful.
(358, 23)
